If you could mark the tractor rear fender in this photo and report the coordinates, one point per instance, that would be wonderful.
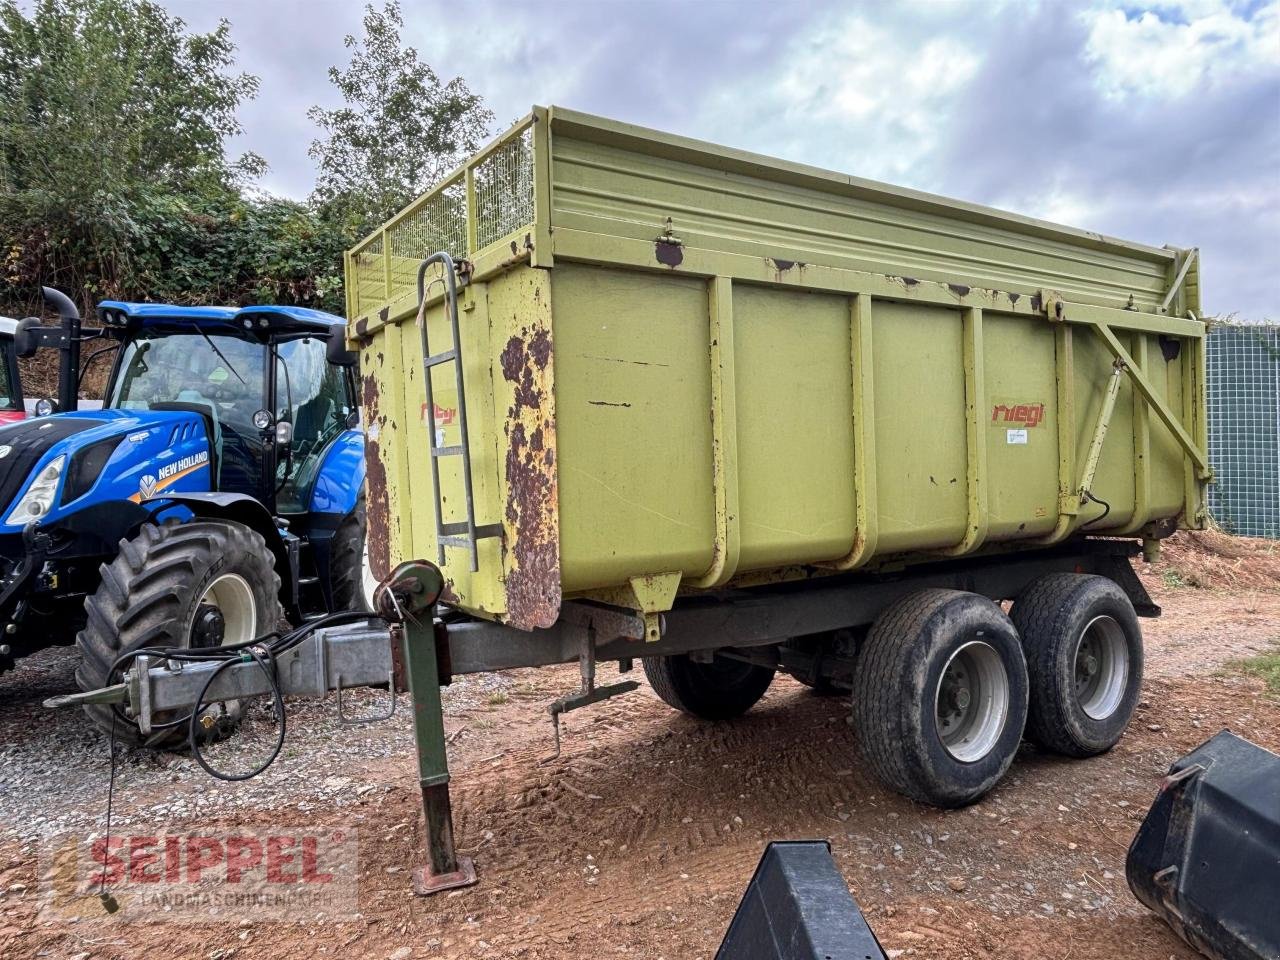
(244, 509)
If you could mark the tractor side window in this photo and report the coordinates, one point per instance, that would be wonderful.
(312, 395)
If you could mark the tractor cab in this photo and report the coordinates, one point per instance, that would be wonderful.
(11, 407)
(219, 487)
(274, 387)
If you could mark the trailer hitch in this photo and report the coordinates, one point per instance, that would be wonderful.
(331, 658)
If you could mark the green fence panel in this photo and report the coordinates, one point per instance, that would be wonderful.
(1244, 428)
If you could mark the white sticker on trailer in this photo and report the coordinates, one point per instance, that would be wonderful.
(1016, 436)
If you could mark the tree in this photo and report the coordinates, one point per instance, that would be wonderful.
(399, 131)
(104, 106)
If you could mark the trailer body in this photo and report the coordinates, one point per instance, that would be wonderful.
(687, 367)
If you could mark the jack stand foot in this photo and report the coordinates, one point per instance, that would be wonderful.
(426, 883)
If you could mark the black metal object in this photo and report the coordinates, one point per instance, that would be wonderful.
(797, 907)
(770, 614)
(1207, 857)
(31, 336)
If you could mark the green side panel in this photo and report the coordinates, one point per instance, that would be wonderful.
(920, 426)
(625, 181)
(795, 437)
(1022, 446)
(633, 401)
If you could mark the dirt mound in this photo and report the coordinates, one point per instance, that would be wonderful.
(1213, 560)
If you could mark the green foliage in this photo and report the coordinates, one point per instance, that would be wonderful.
(104, 96)
(114, 178)
(105, 107)
(399, 131)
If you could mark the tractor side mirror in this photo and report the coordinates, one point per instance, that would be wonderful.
(336, 350)
(26, 338)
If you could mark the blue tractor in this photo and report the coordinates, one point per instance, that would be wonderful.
(218, 490)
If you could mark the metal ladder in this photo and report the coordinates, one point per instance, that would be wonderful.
(459, 533)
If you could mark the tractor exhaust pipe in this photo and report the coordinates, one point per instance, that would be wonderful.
(69, 361)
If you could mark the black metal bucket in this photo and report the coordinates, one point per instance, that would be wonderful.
(1207, 857)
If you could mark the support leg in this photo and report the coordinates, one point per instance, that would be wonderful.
(444, 869)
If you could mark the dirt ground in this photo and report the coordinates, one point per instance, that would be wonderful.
(639, 839)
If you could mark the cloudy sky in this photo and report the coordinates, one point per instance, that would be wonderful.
(1153, 121)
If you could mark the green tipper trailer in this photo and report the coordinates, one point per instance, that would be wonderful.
(639, 396)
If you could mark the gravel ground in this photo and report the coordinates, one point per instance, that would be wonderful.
(56, 763)
(638, 839)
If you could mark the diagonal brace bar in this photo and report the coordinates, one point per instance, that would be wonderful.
(1156, 403)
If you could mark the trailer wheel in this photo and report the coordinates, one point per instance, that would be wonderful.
(197, 584)
(1084, 656)
(719, 690)
(940, 696)
(347, 562)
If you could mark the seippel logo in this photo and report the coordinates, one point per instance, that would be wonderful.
(1024, 414)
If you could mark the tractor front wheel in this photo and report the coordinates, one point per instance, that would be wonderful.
(198, 584)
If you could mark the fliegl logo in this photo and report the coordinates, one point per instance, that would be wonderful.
(1018, 414)
(195, 876)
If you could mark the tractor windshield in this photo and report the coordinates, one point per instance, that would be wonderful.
(168, 368)
(223, 378)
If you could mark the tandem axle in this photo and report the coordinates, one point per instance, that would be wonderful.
(811, 629)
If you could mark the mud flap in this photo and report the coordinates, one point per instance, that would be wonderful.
(1207, 857)
(797, 907)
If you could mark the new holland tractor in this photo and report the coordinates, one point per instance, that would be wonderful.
(218, 490)
(11, 407)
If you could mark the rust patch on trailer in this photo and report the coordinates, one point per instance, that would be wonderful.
(362, 327)
(377, 505)
(668, 254)
(959, 289)
(907, 282)
(1014, 298)
(532, 544)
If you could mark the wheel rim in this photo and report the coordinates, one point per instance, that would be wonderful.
(1101, 667)
(230, 599)
(971, 702)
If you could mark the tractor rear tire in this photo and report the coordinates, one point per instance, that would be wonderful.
(346, 562)
(720, 690)
(167, 587)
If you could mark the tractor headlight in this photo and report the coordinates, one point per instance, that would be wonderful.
(36, 501)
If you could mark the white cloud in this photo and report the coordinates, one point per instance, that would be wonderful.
(1179, 48)
(870, 96)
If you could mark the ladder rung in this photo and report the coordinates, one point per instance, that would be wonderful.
(446, 451)
(438, 358)
(460, 529)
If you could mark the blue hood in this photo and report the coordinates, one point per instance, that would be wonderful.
(109, 455)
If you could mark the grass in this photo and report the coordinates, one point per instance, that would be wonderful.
(496, 699)
(1264, 665)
